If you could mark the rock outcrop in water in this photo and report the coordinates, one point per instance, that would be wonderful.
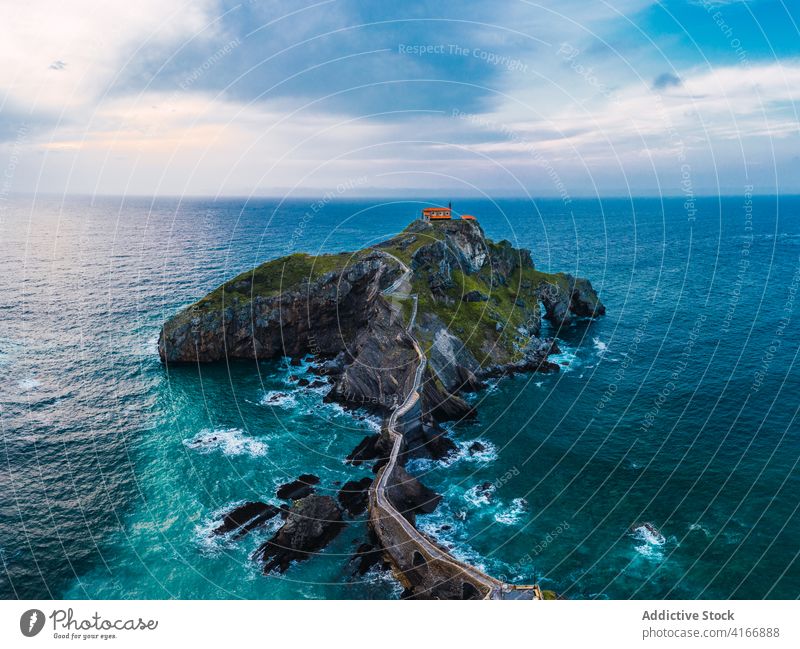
(297, 489)
(476, 312)
(353, 496)
(245, 518)
(312, 522)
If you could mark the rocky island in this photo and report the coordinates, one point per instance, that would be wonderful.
(402, 329)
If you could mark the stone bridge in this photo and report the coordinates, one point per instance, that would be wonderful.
(422, 566)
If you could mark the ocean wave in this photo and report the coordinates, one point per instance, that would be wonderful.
(383, 579)
(514, 513)
(480, 494)
(452, 535)
(148, 347)
(278, 399)
(320, 389)
(650, 541)
(600, 346)
(230, 441)
(28, 384)
(475, 450)
(9, 350)
(770, 236)
(374, 423)
(211, 544)
(336, 409)
(466, 451)
(697, 527)
(567, 359)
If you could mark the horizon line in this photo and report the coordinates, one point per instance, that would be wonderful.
(423, 196)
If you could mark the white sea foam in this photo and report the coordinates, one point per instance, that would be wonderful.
(567, 359)
(513, 513)
(203, 532)
(455, 539)
(335, 407)
(600, 346)
(697, 527)
(651, 542)
(28, 384)
(9, 350)
(229, 441)
(211, 543)
(480, 494)
(487, 454)
(279, 399)
(383, 579)
(461, 454)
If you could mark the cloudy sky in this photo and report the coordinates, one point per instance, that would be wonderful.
(555, 97)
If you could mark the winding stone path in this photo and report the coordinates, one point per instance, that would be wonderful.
(420, 563)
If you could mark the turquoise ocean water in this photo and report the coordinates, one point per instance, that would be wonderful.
(678, 409)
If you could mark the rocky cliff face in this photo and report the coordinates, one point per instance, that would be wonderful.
(259, 315)
(382, 362)
(482, 302)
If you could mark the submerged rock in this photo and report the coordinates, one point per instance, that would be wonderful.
(428, 441)
(474, 296)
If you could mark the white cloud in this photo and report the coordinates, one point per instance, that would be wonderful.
(726, 103)
(198, 143)
(598, 120)
(65, 55)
